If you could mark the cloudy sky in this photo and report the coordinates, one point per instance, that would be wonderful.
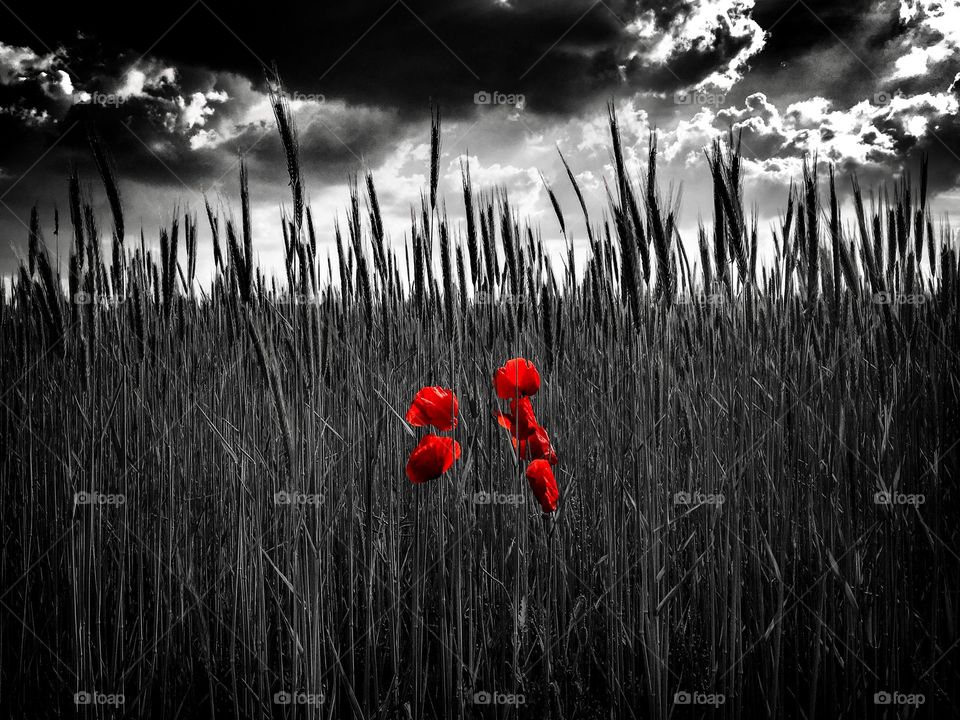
(179, 94)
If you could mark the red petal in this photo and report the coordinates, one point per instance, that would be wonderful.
(505, 421)
(520, 422)
(539, 447)
(543, 484)
(517, 378)
(435, 406)
(431, 458)
(524, 418)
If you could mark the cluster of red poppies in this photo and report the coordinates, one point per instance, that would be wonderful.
(517, 381)
(434, 454)
(436, 406)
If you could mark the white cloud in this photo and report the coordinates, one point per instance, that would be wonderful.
(15, 62)
(196, 110)
(66, 85)
(688, 139)
(934, 37)
(864, 133)
(916, 63)
(632, 118)
(145, 77)
(697, 29)
(523, 183)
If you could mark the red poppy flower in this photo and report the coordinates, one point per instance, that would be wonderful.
(537, 447)
(431, 458)
(521, 421)
(518, 377)
(435, 406)
(544, 485)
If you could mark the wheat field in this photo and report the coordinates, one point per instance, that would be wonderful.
(204, 506)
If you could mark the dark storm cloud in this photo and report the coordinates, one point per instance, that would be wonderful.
(171, 127)
(841, 51)
(800, 26)
(178, 97)
(821, 47)
(561, 55)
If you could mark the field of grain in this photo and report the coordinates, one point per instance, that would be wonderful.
(204, 504)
